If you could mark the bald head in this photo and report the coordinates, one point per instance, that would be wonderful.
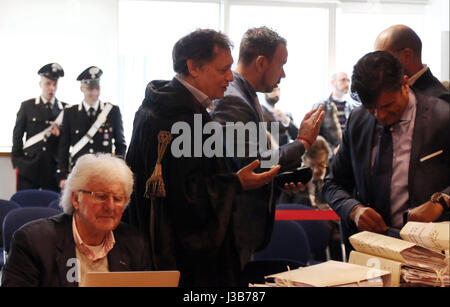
(404, 43)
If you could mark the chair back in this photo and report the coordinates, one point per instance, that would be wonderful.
(317, 231)
(34, 198)
(55, 205)
(5, 207)
(19, 217)
(288, 242)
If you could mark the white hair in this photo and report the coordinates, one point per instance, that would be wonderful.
(100, 167)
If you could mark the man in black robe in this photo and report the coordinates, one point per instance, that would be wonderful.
(190, 223)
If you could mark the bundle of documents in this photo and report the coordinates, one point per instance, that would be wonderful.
(330, 274)
(418, 263)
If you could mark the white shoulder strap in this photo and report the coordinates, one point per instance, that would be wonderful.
(44, 134)
(101, 119)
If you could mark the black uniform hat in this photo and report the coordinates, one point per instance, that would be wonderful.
(52, 71)
(90, 75)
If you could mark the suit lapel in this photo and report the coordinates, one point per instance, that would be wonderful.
(420, 126)
(65, 252)
(248, 92)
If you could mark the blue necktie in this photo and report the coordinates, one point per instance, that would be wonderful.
(382, 175)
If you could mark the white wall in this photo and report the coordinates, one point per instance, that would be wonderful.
(7, 178)
(74, 33)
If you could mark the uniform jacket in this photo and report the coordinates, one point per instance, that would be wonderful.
(349, 182)
(74, 127)
(41, 253)
(33, 118)
(191, 229)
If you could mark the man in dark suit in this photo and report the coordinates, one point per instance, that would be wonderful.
(184, 197)
(89, 127)
(271, 114)
(406, 45)
(394, 152)
(262, 56)
(87, 237)
(38, 119)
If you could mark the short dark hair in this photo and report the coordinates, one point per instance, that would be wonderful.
(197, 46)
(259, 41)
(376, 72)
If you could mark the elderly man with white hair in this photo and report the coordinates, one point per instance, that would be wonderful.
(87, 237)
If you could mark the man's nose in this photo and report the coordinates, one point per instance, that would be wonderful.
(109, 203)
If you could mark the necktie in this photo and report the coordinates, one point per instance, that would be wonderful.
(48, 108)
(91, 115)
(382, 175)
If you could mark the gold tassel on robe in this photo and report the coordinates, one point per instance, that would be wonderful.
(154, 187)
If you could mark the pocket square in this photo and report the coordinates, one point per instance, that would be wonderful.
(437, 153)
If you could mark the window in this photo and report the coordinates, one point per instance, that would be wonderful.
(147, 32)
(131, 41)
(307, 65)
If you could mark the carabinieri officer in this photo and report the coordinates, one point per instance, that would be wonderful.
(92, 126)
(39, 118)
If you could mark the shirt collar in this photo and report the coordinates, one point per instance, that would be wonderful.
(93, 253)
(417, 75)
(201, 97)
(87, 106)
(246, 84)
(44, 101)
(409, 111)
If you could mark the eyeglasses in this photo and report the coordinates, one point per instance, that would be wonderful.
(119, 200)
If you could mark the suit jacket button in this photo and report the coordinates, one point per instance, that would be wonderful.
(77, 131)
(91, 150)
(44, 149)
(91, 141)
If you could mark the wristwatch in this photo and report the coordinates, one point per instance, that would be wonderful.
(439, 198)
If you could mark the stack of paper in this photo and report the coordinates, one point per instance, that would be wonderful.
(331, 274)
(408, 262)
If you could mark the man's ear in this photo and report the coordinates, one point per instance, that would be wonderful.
(193, 68)
(261, 63)
(75, 202)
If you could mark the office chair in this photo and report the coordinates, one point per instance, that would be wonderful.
(55, 205)
(5, 207)
(288, 242)
(317, 231)
(34, 198)
(17, 218)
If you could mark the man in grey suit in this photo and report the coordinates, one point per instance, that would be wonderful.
(262, 56)
(399, 137)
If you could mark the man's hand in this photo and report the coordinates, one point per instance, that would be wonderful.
(292, 188)
(55, 129)
(250, 180)
(310, 126)
(427, 212)
(368, 219)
